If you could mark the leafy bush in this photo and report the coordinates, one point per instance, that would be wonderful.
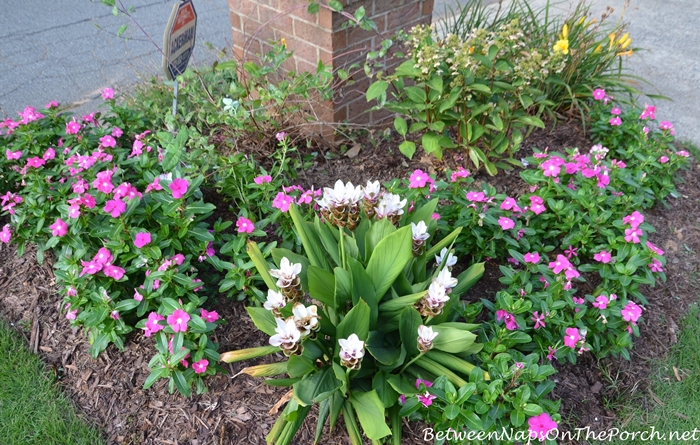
(378, 311)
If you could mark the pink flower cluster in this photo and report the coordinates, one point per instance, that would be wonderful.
(102, 261)
(633, 233)
(511, 323)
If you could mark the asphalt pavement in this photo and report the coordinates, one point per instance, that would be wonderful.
(53, 50)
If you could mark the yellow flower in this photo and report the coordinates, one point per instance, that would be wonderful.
(283, 41)
(562, 46)
(565, 31)
(624, 43)
(625, 53)
(599, 48)
(623, 38)
(612, 39)
(580, 22)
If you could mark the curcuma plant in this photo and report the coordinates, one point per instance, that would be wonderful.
(361, 315)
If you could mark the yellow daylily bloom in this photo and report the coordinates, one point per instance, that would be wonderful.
(580, 22)
(599, 48)
(623, 38)
(625, 53)
(612, 39)
(283, 41)
(565, 31)
(625, 43)
(562, 46)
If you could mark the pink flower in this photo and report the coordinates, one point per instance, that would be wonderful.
(152, 325)
(571, 251)
(550, 168)
(113, 271)
(262, 179)
(90, 268)
(136, 149)
(663, 159)
(88, 201)
(655, 266)
(137, 296)
(114, 315)
(572, 337)
(155, 185)
(11, 155)
(426, 399)
(654, 249)
(418, 179)
(615, 121)
(142, 238)
(115, 207)
(71, 291)
(540, 426)
(117, 132)
(179, 187)
(505, 223)
(634, 219)
(537, 205)
(616, 111)
(282, 201)
(509, 318)
(402, 399)
(533, 258)
(107, 93)
(601, 302)
(603, 256)
(550, 353)
(71, 315)
(72, 127)
(632, 235)
(280, 136)
(509, 204)
(211, 317)
(103, 181)
(631, 312)
(561, 263)
(476, 196)
(538, 319)
(103, 256)
(5, 234)
(683, 153)
(178, 320)
(59, 228)
(108, 141)
(460, 173)
(245, 225)
(52, 104)
(435, 216)
(599, 94)
(649, 112)
(666, 125)
(178, 259)
(49, 154)
(35, 162)
(426, 383)
(200, 366)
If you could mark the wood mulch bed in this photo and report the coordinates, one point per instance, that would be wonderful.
(236, 410)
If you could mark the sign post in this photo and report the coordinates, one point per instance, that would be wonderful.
(178, 42)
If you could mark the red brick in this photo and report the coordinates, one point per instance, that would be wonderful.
(304, 66)
(339, 41)
(312, 33)
(398, 18)
(428, 6)
(235, 20)
(274, 19)
(298, 9)
(246, 8)
(325, 56)
(325, 18)
(357, 34)
(382, 6)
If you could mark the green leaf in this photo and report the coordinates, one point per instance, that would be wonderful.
(316, 387)
(379, 230)
(263, 319)
(386, 352)
(261, 265)
(468, 278)
(531, 120)
(409, 320)
(424, 213)
(377, 89)
(370, 412)
(389, 258)
(452, 340)
(401, 126)
(408, 149)
(312, 244)
(445, 242)
(321, 285)
(156, 374)
(398, 304)
(355, 322)
(431, 142)
(121, 30)
(181, 383)
(299, 366)
(313, 8)
(387, 394)
(363, 289)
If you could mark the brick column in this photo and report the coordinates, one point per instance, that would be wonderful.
(314, 37)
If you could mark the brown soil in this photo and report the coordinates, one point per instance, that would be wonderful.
(236, 408)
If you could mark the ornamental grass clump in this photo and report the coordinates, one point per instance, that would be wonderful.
(369, 313)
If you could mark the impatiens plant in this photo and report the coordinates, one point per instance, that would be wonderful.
(361, 315)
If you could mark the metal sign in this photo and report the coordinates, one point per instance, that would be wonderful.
(178, 41)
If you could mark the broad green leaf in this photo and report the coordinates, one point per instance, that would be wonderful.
(389, 258)
(355, 322)
(247, 354)
(299, 366)
(263, 319)
(154, 376)
(451, 361)
(261, 265)
(445, 242)
(312, 244)
(468, 278)
(408, 148)
(181, 383)
(431, 142)
(376, 89)
(322, 285)
(328, 239)
(452, 340)
(343, 286)
(370, 412)
(387, 394)
(316, 387)
(386, 352)
(401, 126)
(424, 213)
(379, 230)
(363, 289)
(409, 321)
(398, 304)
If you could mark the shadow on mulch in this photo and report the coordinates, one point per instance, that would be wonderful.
(236, 409)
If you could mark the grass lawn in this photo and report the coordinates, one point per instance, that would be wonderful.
(33, 409)
(676, 384)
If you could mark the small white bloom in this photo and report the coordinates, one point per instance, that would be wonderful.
(426, 335)
(287, 333)
(341, 194)
(445, 279)
(420, 231)
(351, 348)
(451, 259)
(436, 295)
(275, 300)
(371, 190)
(287, 272)
(306, 318)
(390, 205)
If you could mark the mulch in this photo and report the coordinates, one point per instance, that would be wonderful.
(236, 409)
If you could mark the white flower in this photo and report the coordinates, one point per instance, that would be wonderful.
(420, 231)
(275, 300)
(352, 349)
(287, 273)
(451, 259)
(425, 338)
(371, 190)
(445, 279)
(306, 318)
(340, 195)
(287, 334)
(436, 295)
(390, 205)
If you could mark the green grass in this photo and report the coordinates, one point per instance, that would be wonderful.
(677, 409)
(33, 409)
